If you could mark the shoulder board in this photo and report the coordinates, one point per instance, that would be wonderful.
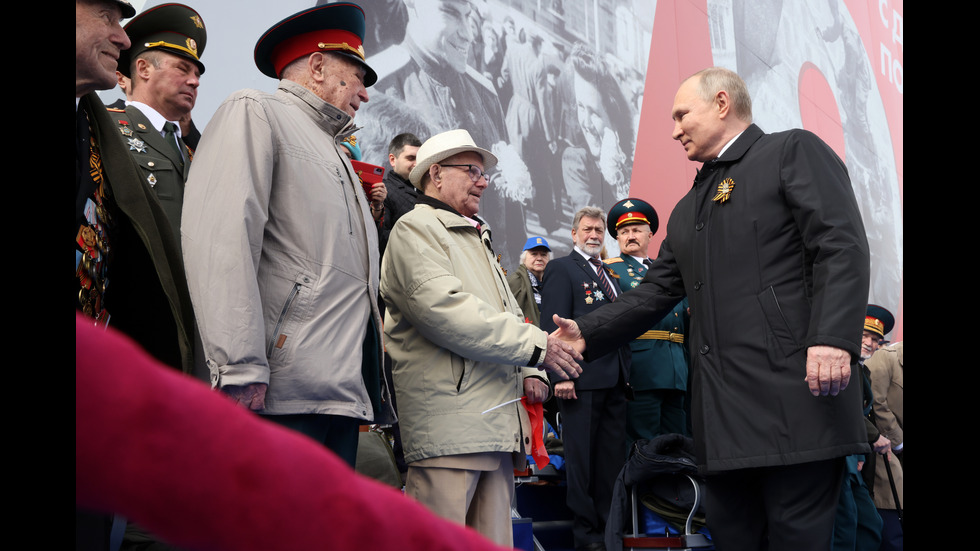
(115, 110)
(613, 260)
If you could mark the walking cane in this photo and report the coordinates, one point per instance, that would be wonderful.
(891, 481)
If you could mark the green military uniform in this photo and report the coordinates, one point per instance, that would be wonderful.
(659, 370)
(658, 373)
(176, 30)
(163, 170)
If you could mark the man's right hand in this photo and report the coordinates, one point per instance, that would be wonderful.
(568, 331)
(560, 359)
(251, 396)
(882, 445)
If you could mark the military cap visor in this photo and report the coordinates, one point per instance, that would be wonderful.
(337, 28)
(173, 28)
(632, 211)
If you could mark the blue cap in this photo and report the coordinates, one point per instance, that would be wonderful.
(535, 242)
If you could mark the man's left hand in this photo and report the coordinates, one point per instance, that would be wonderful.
(828, 370)
(536, 390)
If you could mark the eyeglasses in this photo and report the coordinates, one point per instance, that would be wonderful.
(474, 171)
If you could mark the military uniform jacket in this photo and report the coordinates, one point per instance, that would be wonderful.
(657, 363)
(779, 265)
(162, 169)
(147, 224)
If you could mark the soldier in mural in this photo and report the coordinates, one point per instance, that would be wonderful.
(823, 37)
(484, 65)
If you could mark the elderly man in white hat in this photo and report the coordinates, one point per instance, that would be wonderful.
(462, 354)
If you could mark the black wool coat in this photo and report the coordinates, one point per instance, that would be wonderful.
(782, 264)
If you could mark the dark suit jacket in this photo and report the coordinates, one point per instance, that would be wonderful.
(147, 296)
(571, 289)
(163, 170)
(781, 265)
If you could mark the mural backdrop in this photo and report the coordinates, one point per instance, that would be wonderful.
(574, 96)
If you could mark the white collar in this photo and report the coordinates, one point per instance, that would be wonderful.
(154, 116)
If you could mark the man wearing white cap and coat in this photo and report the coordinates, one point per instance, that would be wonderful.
(462, 355)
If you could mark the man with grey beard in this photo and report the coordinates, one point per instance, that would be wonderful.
(594, 405)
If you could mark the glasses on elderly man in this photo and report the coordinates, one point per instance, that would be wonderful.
(474, 171)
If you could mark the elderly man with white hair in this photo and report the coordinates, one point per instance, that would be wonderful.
(462, 354)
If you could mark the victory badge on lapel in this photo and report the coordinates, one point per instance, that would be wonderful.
(724, 190)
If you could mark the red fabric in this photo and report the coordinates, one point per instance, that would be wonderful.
(189, 465)
(538, 451)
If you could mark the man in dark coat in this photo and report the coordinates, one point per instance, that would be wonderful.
(128, 269)
(770, 250)
(593, 407)
(127, 259)
(402, 195)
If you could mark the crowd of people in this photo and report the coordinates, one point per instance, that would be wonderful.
(316, 296)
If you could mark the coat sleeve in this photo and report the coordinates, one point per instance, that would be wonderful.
(225, 211)
(818, 192)
(883, 366)
(419, 279)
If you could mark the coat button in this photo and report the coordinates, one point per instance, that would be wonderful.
(697, 285)
(704, 349)
(527, 440)
(699, 226)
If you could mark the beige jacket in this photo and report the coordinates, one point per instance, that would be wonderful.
(282, 257)
(887, 367)
(458, 343)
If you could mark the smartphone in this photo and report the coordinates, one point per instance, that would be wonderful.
(368, 174)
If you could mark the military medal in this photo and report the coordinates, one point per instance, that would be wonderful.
(724, 190)
(151, 179)
(136, 144)
(599, 295)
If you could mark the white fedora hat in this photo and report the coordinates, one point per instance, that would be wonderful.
(445, 145)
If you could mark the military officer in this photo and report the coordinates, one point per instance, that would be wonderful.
(659, 371)
(164, 65)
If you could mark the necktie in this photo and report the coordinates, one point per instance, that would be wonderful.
(647, 262)
(604, 279)
(170, 134)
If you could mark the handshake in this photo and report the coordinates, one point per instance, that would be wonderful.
(565, 347)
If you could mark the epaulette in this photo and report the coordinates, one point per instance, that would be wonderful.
(115, 110)
(613, 260)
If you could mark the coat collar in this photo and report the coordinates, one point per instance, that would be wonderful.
(741, 145)
(334, 120)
